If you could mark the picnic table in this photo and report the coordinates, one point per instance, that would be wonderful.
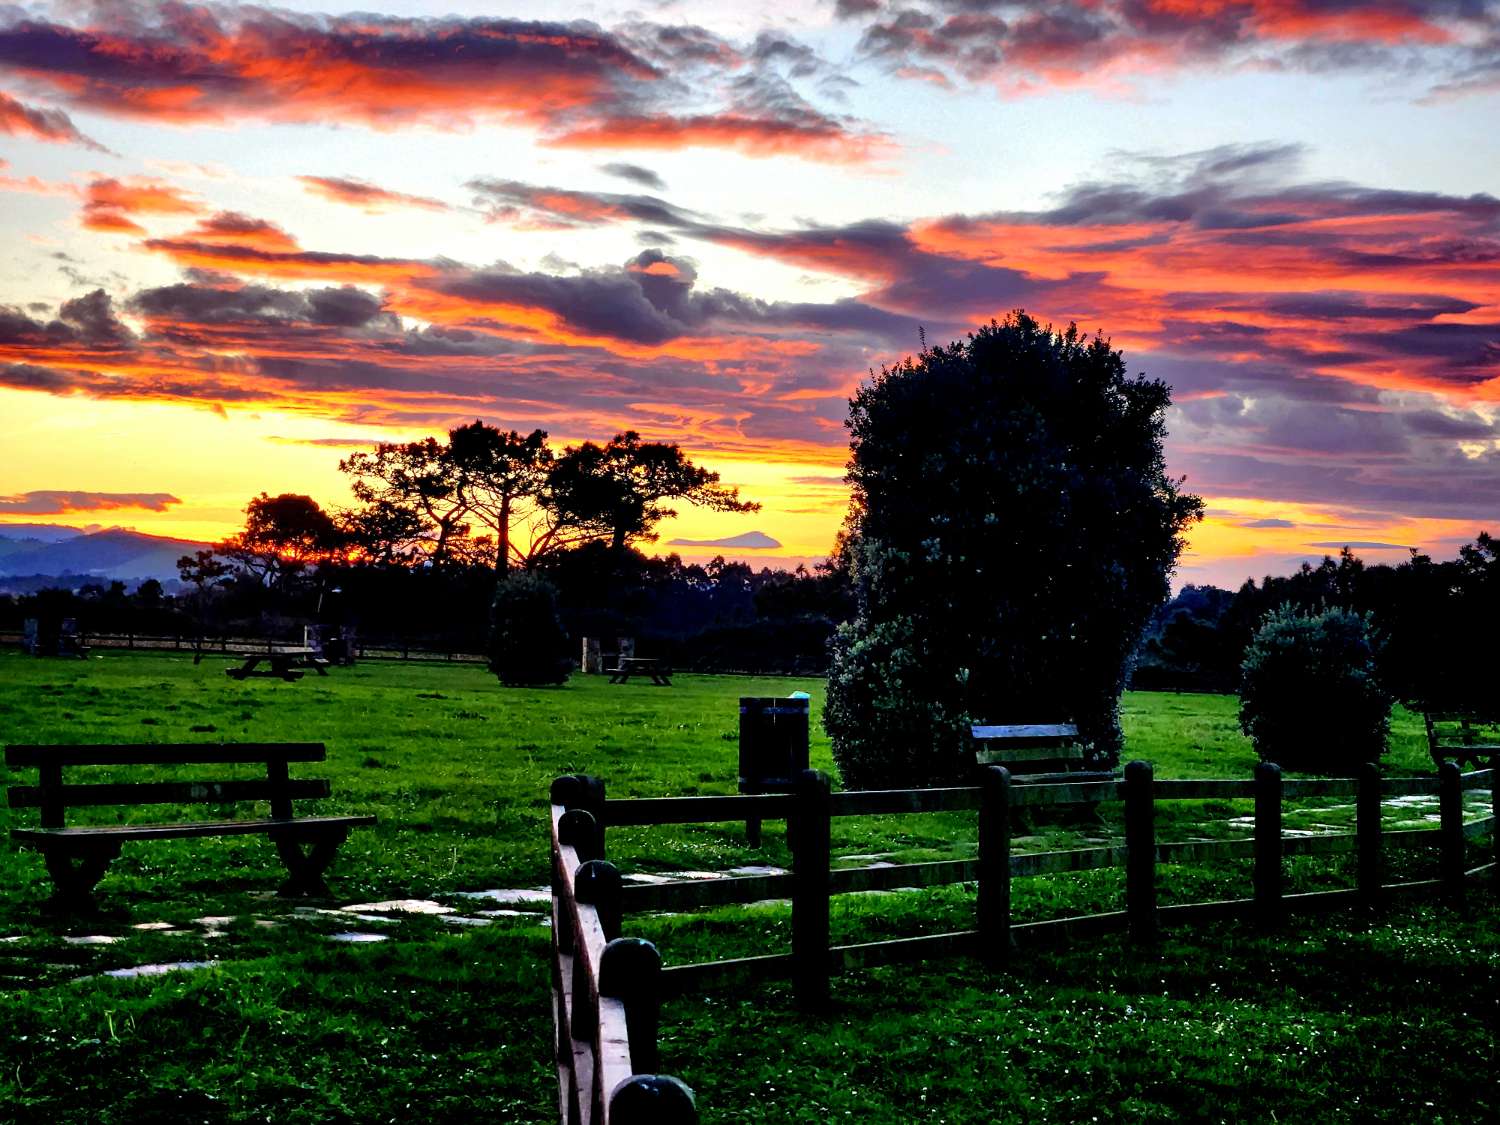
(286, 661)
(641, 666)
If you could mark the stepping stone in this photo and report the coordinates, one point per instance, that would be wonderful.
(757, 869)
(861, 858)
(91, 939)
(460, 920)
(397, 906)
(156, 970)
(354, 938)
(517, 895)
(643, 879)
(344, 915)
(153, 926)
(507, 914)
(214, 921)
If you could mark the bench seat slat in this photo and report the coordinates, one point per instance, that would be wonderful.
(164, 792)
(299, 826)
(1025, 730)
(164, 753)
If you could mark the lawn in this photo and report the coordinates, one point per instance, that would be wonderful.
(1338, 1019)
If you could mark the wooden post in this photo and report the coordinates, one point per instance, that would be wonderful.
(1495, 812)
(1367, 833)
(1451, 830)
(1140, 852)
(810, 866)
(630, 971)
(580, 831)
(597, 883)
(994, 866)
(1268, 874)
(652, 1099)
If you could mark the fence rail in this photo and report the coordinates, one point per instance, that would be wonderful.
(812, 881)
(605, 988)
(243, 646)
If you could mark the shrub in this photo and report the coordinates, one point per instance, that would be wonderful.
(1012, 529)
(1309, 698)
(528, 644)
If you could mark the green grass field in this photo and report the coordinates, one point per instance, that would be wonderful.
(1339, 1019)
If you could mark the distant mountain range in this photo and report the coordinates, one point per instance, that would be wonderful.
(73, 557)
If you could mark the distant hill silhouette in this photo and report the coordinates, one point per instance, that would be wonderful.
(116, 553)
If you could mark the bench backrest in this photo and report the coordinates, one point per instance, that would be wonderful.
(52, 795)
(1027, 744)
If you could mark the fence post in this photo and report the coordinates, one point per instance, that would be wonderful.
(580, 831)
(1367, 833)
(810, 866)
(1451, 829)
(1140, 851)
(1268, 874)
(994, 866)
(630, 971)
(652, 1099)
(1495, 812)
(597, 883)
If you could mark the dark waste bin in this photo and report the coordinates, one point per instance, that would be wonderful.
(773, 748)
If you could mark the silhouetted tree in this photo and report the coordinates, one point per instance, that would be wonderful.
(204, 571)
(496, 471)
(409, 485)
(283, 536)
(1013, 528)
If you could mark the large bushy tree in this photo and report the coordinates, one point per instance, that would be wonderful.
(1012, 529)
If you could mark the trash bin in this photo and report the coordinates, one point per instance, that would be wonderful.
(773, 747)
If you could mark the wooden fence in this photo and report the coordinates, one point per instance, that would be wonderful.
(810, 809)
(605, 988)
(243, 646)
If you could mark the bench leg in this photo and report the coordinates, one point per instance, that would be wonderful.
(305, 864)
(75, 874)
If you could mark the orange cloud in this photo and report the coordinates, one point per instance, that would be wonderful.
(367, 196)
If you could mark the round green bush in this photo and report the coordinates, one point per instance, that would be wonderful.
(1309, 698)
(528, 644)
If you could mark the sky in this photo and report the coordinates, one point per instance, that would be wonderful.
(244, 241)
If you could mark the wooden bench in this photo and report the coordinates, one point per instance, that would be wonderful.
(629, 666)
(1463, 744)
(1036, 752)
(286, 662)
(77, 857)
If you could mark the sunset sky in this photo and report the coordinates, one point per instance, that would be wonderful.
(243, 241)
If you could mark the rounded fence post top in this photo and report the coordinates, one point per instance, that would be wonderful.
(627, 966)
(1138, 768)
(595, 880)
(1450, 768)
(814, 780)
(579, 830)
(1267, 769)
(655, 1098)
(995, 775)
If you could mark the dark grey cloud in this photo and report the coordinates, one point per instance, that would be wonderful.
(635, 173)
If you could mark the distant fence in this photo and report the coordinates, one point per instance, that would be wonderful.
(242, 646)
(810, 809)
(605, 988)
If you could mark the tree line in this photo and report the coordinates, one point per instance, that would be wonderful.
(1432, 622)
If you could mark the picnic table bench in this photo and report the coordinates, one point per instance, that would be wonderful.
(77, 857)
(286, 662)
(1460, 742)
(641, 666)
(1037, 752)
